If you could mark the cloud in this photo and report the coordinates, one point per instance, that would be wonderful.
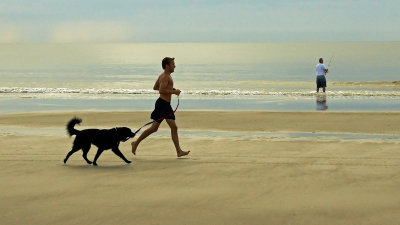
(9, 36)
(90, 31)
(9, 33)
(66, 21)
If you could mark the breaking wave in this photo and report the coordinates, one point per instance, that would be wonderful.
(116, 92)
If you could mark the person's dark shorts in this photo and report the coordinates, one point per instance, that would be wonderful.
(162, 108)
(321, 82)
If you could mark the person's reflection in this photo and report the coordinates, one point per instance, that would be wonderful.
(321, 102)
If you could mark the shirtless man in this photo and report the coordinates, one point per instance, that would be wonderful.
(165, 86)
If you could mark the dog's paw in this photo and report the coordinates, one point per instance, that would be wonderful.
(89, 162)
(128, 161)
(94, 164)
(65, 161)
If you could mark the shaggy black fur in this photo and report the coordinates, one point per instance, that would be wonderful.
(103, 139)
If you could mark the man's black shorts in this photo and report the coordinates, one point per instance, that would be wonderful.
(162, 108)
(321, 82)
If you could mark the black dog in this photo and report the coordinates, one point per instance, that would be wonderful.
(103, 139)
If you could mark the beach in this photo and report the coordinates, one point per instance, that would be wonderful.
(245, 167)
(265, 148)
(243, 78)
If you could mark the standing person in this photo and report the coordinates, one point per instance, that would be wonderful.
(165, 86)
(321, 72)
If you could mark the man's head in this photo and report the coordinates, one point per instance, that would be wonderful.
(168, 64)
(321, 60)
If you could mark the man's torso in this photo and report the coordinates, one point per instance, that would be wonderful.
(170, 86)
(320, 69)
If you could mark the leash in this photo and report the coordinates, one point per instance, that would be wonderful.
(159, 118)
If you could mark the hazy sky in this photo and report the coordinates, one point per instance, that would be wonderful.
(198, 21)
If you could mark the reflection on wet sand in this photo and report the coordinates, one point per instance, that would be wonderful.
(321, 101)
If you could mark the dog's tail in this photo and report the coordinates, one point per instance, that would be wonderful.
(71, 124)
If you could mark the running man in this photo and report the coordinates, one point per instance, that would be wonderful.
(321, 72)
(165, 86)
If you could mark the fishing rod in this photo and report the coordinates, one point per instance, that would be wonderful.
(330, 60)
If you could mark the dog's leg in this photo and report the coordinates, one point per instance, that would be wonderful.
(75, 148)
(85, 150)
(119, 153)
(99, 151)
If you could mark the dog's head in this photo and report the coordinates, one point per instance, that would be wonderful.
(124, 133)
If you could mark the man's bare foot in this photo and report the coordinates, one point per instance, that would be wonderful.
(134, 147)
(182, 153)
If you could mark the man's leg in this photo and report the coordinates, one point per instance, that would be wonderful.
(145, 134)
(175, 138)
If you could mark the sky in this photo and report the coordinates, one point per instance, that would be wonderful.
(66, 21)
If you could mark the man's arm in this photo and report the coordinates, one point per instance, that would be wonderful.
(157, 85)
(325, 69)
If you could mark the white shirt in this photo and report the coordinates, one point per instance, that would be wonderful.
(320, 69)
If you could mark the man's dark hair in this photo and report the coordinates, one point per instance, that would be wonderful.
(321, 60)
(166, 61)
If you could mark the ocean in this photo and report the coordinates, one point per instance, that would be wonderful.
(363, 76)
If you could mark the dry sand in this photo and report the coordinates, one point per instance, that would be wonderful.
(225, 180)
